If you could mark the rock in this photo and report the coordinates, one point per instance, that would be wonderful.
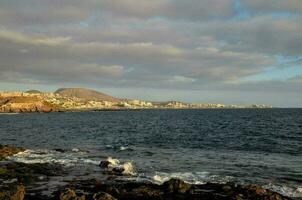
(227, 188)
(239, 197)
(103, 196)
(60, 150)
(260, 191)
(113, 190)
(69, 194)
(104, 164)
(16, 104)
(255, 189)
(19, 194)
(6, 151)
(176, 186)
(28, 173)
(13, 193)
(256, 192)
(145, 192)
(118, 170)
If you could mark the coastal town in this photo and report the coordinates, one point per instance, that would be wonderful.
(79, 99)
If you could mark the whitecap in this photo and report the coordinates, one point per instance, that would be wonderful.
(285, 190)
(113, 162)
(128, 168)
(75, 150)
(50, 156)
(197, 178)
(123, 148)
(10, 181)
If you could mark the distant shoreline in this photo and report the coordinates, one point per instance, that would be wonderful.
(138, 109)
(80, 99)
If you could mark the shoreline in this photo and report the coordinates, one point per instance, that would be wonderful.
(134, 109)
(20, 178)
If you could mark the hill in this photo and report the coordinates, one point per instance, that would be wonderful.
(86, 94)
(34, 92)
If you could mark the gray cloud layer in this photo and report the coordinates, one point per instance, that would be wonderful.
(195, 44)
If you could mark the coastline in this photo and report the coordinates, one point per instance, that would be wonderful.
(79, 100)
(19, 179)
(126, 109)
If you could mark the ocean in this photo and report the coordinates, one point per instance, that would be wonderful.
(245, 146)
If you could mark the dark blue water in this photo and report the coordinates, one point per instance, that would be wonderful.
(246, 146)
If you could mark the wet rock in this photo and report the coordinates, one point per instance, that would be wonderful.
(104, 164)
(114, 191)
(29, 173)
(103, 196)
(256, 192)
(13, 192)
(174, 189)
(60, 150)
(19, 193)
(6, 151)
(145, 192)
(3, 171)
(239, 197)
(69, 194)
(176, 186)
(118, 170)
(227, 188)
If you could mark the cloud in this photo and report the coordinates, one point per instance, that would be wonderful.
(127, 63)
(171, 44)
(15, 37)
(269, 6)
(35, 12)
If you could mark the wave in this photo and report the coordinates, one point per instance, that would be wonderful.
(127, 168)
(70, 158)
(191, 177)
(119, 148)
(285, 190)
(122, 148)
(199, 178)
(299, 189)
(76, 156)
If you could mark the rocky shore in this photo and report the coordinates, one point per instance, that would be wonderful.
(17, 182)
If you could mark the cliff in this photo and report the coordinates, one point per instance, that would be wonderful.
(25, 104)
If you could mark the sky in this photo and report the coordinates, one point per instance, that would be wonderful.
(206, 51)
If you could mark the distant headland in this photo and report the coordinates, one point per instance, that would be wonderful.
(81, 99)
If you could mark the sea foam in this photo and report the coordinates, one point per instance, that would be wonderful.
(127, 166)
(50, 156)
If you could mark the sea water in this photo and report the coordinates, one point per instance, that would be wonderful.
(245, 146)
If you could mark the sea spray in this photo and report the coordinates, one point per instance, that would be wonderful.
(125, 168)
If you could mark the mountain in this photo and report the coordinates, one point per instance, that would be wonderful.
(34, 92)
(86, 94)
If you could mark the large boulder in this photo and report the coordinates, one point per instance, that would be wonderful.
(145, 192)
(15, 192)
(176, 186)
(6, 151)
(69, 194)
(104, 164)
(103, 196)
(256, 192)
